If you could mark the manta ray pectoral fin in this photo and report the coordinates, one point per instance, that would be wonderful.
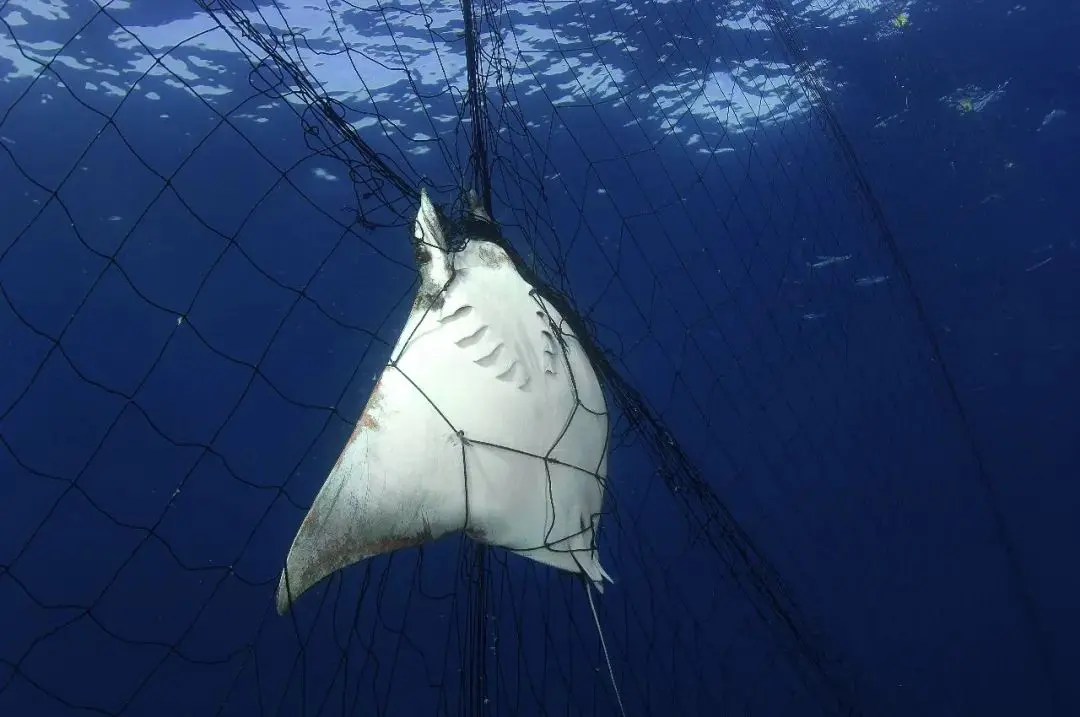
(351, 520)
(384, 493)
(318, 553)
(339, 530)
(395, 485)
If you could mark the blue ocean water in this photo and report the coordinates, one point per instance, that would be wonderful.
(166, 229)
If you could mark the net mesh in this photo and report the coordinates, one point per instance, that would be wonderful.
(196, 306)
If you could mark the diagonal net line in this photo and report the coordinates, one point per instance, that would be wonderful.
(688, 287)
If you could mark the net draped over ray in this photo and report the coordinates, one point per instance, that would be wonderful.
(641, 344)
(488, 419)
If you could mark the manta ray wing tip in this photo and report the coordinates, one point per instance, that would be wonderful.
(283, 598)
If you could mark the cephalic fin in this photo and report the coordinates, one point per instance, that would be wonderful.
(429, 243)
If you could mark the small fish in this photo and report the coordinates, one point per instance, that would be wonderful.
(1044, 262)
(826, 260)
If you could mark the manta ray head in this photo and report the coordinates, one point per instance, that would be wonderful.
(431, 251)
(442, 245)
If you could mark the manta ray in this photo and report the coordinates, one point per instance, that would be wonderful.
(488, 418)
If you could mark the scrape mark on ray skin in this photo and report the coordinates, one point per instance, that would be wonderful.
(367, 418)
(397, 542)
(367, 422)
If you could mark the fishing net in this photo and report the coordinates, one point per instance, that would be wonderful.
(203, 271)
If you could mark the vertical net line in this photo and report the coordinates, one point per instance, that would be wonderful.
(478, 115)
(478, 585)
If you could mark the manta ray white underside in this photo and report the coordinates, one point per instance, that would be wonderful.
(488, 418)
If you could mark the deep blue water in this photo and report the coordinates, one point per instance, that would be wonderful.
(977, 204)
(834, 439)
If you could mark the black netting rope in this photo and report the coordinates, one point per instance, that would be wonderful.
(745, 561)
(704, 665)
